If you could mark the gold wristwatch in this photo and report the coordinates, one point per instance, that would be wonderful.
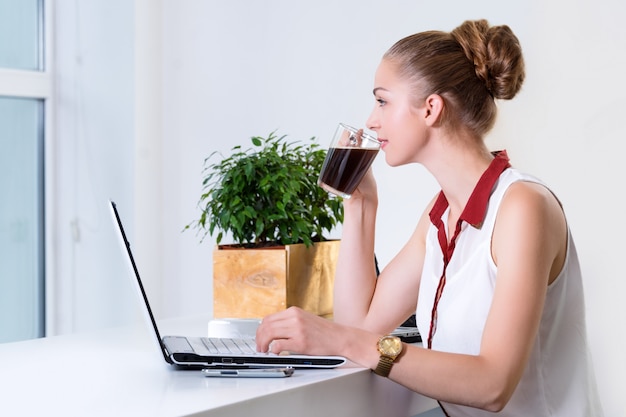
(390, 348)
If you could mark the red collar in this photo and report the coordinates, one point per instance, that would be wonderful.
(476, 207)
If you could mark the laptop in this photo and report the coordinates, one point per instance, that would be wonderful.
(211, 352)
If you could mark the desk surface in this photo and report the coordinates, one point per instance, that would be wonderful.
(120, 372)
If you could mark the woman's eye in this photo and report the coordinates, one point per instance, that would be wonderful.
(381, 102)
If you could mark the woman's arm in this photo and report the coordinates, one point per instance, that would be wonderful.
(528, 246)
(355, 275)
(361, 299)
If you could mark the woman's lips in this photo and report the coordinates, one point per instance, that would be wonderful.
(383, 143)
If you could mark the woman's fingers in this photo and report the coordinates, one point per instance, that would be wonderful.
(293, 330)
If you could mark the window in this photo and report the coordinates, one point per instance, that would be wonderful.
(21, 219)
(25, 86)
(20, 35)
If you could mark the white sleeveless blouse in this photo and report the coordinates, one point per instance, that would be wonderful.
(558, 380)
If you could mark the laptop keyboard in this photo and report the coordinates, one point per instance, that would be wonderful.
(229, 346)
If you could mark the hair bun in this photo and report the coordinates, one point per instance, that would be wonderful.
(496, 54)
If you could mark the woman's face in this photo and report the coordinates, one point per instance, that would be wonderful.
(397, 121)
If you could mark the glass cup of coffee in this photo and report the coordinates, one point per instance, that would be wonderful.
(349, 156)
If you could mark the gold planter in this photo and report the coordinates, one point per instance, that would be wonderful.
(252, 283)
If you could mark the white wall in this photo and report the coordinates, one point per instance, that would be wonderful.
(225, 71)
(92, 148)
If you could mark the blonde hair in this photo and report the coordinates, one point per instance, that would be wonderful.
(468, 67)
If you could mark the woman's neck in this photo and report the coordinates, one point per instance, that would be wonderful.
(457, 164)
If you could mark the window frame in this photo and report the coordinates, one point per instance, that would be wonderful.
(40, 85)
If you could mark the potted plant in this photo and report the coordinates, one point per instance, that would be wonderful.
(266, 198)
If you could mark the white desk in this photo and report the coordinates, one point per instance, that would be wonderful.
(121, 373)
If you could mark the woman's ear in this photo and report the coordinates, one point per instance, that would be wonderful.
(434, 109)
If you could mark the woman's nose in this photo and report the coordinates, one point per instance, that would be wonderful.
(372, 121)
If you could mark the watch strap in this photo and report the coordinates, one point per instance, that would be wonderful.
(384, 366)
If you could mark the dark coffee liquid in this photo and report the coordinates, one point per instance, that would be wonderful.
(344, 168)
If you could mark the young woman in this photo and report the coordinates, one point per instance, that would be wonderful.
(491, 269)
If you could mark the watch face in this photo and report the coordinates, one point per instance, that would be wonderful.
(390, 345)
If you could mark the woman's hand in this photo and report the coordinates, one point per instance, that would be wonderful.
(297, 331)
(366, 190)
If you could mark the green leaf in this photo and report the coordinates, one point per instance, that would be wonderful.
(267, 193)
